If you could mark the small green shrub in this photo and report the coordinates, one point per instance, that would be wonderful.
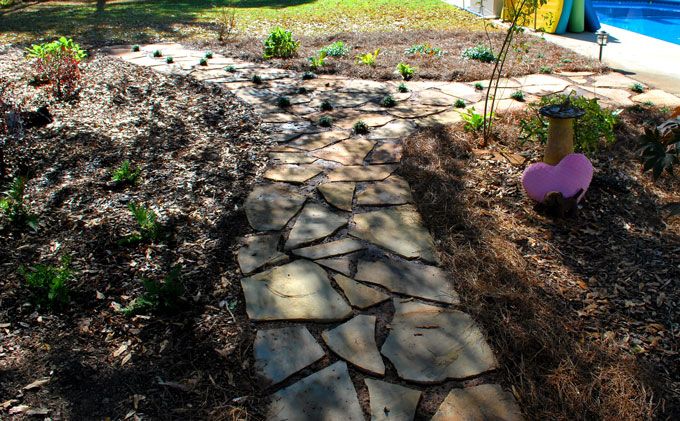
(424, 50)
(203, 62)
(388, 101)
(637, 87)
(208, 55)
(302, 90)
(659, 151)
(368, 59)
(317, 61)
(540, 55)
(459, 103)
(169, 59)
(124, 174)
(566, 60)
(283, 102)
(326, 105)
(546, 70)
(479, 86)
(518, 96)
(147, 221)
(157, 53)
(257, 79)
(230, 69)
(402, 88)
(325, 121)
(308, 76)
(360, 127)
(479, 52)
(648, 104)
(336, 49)
(58, 64)
(596, 124)
(135, 48)
(280, 44)
(13, 205)
(48, 284)
(473, 120)
(159, 297)
(405, 71)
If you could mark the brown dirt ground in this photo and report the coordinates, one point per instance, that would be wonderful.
(200, 149)
(583, 313)
(451, 66)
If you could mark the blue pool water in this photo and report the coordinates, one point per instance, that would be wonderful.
(657, 19)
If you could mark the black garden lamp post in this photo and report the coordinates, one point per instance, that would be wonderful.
(602, 38)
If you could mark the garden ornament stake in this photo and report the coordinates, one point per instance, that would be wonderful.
(560, 130)
(602, 38)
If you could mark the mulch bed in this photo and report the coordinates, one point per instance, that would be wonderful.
(451, 66)
(200, 149)
(583, 313)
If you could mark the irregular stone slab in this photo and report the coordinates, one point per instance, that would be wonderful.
(340, 264)
(359, 295)
(618, 96)
(409, 278)
(292, 173)
(280, 118)
(394, 130)
(429, 344)
(371, 119)
(658, 97)
(410, 110)
(399, 229)
(299, 290)
(386, 153)
(354, 341)
(461, 90)
(539, 80)
(334, 248)
(314, 223)
(280, 353)
(339, 195)
(312, 141)
(391, 402)
(327, 395)
(364, 85)
(445, 118)
(292, 158)
(258, 251)
(486, 402)
(347, 152)
(361, 173)
(435, 97)
(393, 191)
(270, 207)
(504, 82)
(613, 80)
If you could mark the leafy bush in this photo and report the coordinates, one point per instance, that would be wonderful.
(473, 120)
(660, 150)
(479, 86)
(360, 127)
(326, 105)
(257, 79)
(517, 96)
(336, 49)
(402, 88)
(424, 50)
(169, 60)
(157, 53)
(57, 63)
(13, 205)
(48, 284)
(589, 130)
(208, 55)
(230, 69)
(283, 102)
(388, 101)
(164, 296)
(368, 59)
(225, 21)
(280, 44)
(546, 70)
(637, 87)
(405, 71)
(325, 121)
(459, 103)
(481, 53)
(318, 61)
(135, 48)
(147, 220)
(308, 76)
(124, 174)
(203, 62)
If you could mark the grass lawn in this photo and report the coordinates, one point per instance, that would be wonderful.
(141, 21)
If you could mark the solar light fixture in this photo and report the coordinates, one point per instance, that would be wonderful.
(602, 38)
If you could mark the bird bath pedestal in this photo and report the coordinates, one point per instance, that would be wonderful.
(560, 130)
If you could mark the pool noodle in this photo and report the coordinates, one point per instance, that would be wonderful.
(576, 20)
(592, 23)
(564, 18)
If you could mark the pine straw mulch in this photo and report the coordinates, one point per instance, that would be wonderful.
(451, 66)
(200, 149)
(583, 313)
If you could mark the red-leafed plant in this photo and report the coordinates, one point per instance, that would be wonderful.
(57, 63)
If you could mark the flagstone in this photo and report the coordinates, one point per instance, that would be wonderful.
(299, 290)
(339, 194)
(414, 110)
(394, 190)
(391, 402)
(270, 207)
(398, 129)
(445, 118)
(292, 173)
(292, 158)
(430, 344)
(618, 96)
(354, 341)
(461, 90)
(386, 153)
(333, 248)
(503, 82)
(435, 98)
(399, 229)
(338, 264)
(658, 97)
(312, 141)
(361, 173)
(280, 117)
(259, 251)
(358, 294)
(314, 223)
(409, 278)
(540, 80)
(486, 402)
(280, 353)
(327, 395)
(371, 119)
(351, 151)
(613, 80)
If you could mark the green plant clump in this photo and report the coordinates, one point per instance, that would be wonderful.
(283, 102)
(135, 48)
(479, 86)
(325, 121)
(473, 120)
(405, 71)
(308, 76)
(326, 105)
(208, 55)
(388, 101)
(317, 61)
(424, 50)
(159, 297)
(595, 125)
(124, 174)
(280, 44)
(257, 79)
(637, 87)
(230, 69)
(660, 151)
(302, 90)
(360, 127)
(169, 60)
(402, 88)
(336, 49)
(157, 53)
(203, 62)
(546, 70)
(57, 63)
(459, 103)
(518, 96)
(49, 284)
(13, 205)
(368, 59)
(479, 52)
(147, 221)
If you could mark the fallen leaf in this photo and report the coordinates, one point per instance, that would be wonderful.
(36, 384)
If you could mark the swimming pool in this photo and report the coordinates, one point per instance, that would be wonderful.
(658, 19)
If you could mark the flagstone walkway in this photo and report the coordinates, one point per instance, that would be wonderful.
(341, 267)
